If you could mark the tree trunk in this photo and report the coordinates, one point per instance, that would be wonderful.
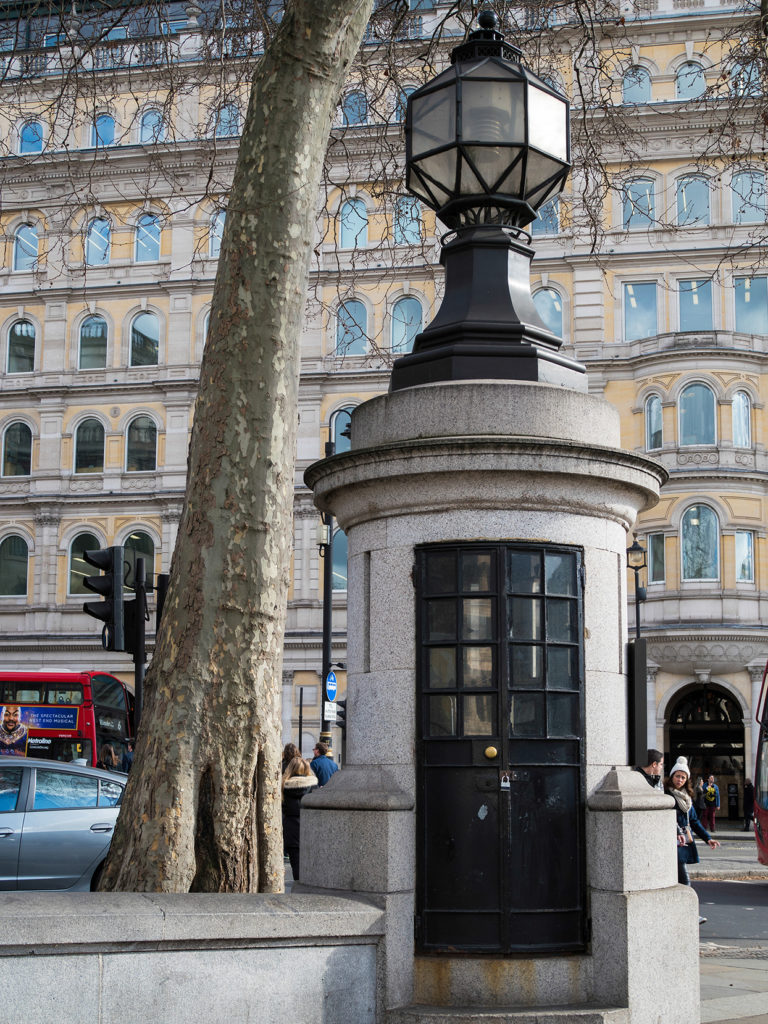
(202, 807)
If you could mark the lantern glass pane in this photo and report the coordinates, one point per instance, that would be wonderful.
(433, 120)
(539, 170)
(441, 167)
(547, 123)
(492, 111)
(491, 162)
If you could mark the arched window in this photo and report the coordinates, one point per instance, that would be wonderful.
(148, 239)
(339, 560)
(697, 415)
(103, 131)
(748, 197)
(227, 123)
(25, 247)
(354, 224)
(751, 301)
(78, 567)
(692, 201)
(690, 81)
(548, 218)
(97, 242)
(639, 210)
(351, 328)
(741, 420)
(215, 234)
(695, 305)
(141, 446)
(21, 347)
(407, 321)
(138, 545)
(402, 102)
(340, 426)
(31, 138)
(145, 340)
(636, 86)
(93, 343)
(653, 423)
(14, 559)
(700, 533)
(549, 306)
(17, 450)
(354, 108)
(407, 221)
(151, 127)
(89, 447)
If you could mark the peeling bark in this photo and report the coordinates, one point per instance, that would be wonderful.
(202, 806)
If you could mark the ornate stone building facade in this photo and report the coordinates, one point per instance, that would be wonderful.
(103, 315)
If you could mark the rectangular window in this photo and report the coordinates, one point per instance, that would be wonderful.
(751, 297)
(656, 568)
(745, 561)
(640, 312)
(695, 305)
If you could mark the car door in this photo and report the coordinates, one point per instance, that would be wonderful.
(11, 821)
(66, 833)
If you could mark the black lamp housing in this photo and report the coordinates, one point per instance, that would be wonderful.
(487, 143)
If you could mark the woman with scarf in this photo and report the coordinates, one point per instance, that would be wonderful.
(678, 785)
(298, 779)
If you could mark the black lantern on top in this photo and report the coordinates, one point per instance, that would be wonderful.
(487, 143)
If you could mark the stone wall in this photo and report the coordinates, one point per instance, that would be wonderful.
(129, 958)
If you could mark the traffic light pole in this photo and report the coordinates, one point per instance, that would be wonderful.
(326, 553)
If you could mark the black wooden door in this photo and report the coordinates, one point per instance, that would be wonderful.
(500, 806)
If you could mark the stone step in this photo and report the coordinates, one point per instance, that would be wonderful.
(498, 1015)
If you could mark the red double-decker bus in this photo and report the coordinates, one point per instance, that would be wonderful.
(761, 775)
(64, 716)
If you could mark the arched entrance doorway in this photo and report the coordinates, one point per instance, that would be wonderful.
(706, 725)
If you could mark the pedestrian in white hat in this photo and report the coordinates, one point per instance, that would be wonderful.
(679, 788)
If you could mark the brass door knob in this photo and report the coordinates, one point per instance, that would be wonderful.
(491, 752)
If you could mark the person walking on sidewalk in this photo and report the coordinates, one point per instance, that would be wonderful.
(679, 787)
(654, 769)
(711, 803)
(749, 805)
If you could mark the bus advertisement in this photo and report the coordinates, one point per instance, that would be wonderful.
(64, 716)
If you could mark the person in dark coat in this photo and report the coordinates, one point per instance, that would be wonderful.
(290, 750)
(127, 763)
(322, 765)
(298, 779)
(678, 785)
(749, 805)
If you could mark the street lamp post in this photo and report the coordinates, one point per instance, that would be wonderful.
(636, 561)
(487, 144)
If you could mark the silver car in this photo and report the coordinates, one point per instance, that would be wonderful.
(56, 823)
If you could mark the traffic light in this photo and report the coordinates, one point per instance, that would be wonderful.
(341, 715)
(110, 587)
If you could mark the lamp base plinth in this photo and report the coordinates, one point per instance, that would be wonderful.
(473, 361)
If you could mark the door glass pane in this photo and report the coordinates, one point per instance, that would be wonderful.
(525, 572)
(109, 794)
(441, 620)
(526, 667)
(560, 572)
(60, 789)
(478, 715)
(442, 716)
(563, 714)
(561, 619)
(442, 667)
(10, 783)
(525, 618)
(477, 666)
(441, 573)
(475, 572)
(562, 668)
(477, 618)
(526, 714)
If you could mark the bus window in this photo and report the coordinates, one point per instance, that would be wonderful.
(58, 694)
(27, 696)
(60, 749)
(108, 692)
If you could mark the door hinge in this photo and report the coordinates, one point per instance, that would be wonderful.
(414, 575)
(583, 576)
(417, 927)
